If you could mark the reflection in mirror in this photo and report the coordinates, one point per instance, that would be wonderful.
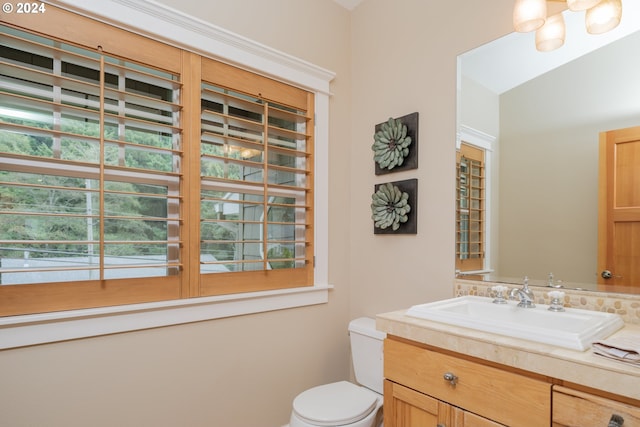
(544, 113)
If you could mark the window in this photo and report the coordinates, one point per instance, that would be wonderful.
(470, 209)
(126, 179)
(255, 184)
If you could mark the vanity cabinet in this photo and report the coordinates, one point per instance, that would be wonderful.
(428, 387)
(573, 408)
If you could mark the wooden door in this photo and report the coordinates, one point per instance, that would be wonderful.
(619, 210)
(404, 407)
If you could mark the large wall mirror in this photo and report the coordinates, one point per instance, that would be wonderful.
(544, 112)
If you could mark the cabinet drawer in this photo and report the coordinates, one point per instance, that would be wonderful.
(502, 396)
(573, 408)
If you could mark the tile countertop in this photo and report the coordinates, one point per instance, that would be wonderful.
(579, 367)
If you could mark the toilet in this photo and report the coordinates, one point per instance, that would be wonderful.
(344, 403)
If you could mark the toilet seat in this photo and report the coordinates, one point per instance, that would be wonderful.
(335, 404)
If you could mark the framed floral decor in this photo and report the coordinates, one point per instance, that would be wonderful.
(395, 144)
(394, 207)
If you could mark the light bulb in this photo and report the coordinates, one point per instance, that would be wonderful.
(604, 16)
(529, 15)
(552, 34)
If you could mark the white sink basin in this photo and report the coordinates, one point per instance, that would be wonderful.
(573, 328)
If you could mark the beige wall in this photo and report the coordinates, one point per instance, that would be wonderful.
(480, 107)
(392, 57)
(404, 60)
(479, 110)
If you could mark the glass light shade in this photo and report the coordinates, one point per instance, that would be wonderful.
(604, 16)
(529, 15)
(578, 5)
(552, 34)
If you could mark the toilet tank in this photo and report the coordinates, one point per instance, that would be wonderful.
(366, 353)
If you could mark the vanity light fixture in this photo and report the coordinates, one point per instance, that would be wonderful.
(531, 15)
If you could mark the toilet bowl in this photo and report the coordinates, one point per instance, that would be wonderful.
(344, 403)
(337, 404)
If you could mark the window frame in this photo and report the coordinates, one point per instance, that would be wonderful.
(468, 259)
(487, 143)
(211, 41)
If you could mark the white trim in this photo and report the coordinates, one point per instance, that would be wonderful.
(148, 18)
(171, 26)
(461, 274)
(475, 137)
(20, 331)
(321, 188)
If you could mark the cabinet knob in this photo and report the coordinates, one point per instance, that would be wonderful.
(606, 274)
(448, 376)
(616, 421)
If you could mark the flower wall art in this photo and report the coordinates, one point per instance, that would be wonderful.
(395, 144)
(394, 207)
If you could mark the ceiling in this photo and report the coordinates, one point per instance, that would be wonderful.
(513, 59)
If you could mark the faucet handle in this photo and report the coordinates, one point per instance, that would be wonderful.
(556, 294)
(556, 300)
(499, 290)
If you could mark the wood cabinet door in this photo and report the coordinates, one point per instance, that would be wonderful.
(404, 407)
(462, 418)
(577, 409)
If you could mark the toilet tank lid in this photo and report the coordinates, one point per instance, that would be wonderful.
(366, 326)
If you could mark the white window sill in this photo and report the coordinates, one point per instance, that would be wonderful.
(32, 329)
(461, 274)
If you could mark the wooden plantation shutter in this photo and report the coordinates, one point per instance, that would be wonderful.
(90, 172)
(256, 177)
(470, 209)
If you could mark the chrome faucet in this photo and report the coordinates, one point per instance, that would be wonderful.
(524, 294)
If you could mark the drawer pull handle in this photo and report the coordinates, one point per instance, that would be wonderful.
(616, 421)
(448, 376)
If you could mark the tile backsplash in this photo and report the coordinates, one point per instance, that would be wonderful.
(627, 306)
